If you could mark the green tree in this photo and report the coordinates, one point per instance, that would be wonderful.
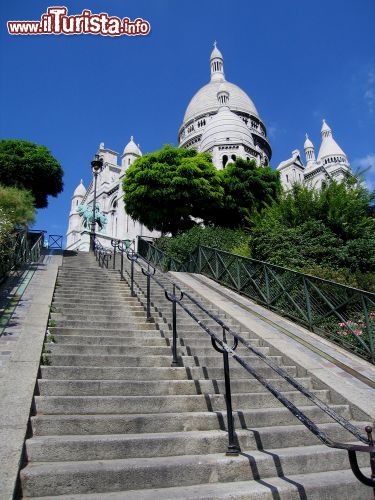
(17, 206)
(247, 188)
(27, 165)
(167, 189)
(322, 232)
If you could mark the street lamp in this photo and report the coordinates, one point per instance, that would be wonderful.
(96, 168)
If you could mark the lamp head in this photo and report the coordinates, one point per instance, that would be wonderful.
(96, 164)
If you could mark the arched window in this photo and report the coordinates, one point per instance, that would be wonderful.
(234, 157)
(224, 160)
(287, 178)
(129, 161)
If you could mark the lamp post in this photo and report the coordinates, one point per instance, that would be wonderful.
(96, 168)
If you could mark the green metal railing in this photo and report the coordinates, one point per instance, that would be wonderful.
(343, 314)
(21, 248)
(158, 258)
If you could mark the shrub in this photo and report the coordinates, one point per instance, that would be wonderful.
(225, 239)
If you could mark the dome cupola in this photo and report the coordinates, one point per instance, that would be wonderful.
(309, 150)
(225, 127)
(132, 148)
(80, 190)
(330, 151)
(217, 65)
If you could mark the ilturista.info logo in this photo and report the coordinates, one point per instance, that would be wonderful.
(56, 21)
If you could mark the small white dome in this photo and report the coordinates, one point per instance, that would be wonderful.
(308, 143)
(225, 128)
(325, 127)
(216, 53)
(80, 190)
(132, 148)
(329, 146)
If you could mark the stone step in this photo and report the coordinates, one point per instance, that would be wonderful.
(102, 350)
(331, 485)
(74, 307)
(153, 373)
(146, 360)
(164, 404)
(168, 444)
(137, 350)
(135, 330)
(145, 340)
(181, 470)
(125, 314)
(174, 422)
(73, 301)
(153, 388)
(113, 324)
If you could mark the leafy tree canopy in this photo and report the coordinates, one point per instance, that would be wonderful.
(247, 188)
(332, 227)
(166, 189)
(16, 206)
(27, 165)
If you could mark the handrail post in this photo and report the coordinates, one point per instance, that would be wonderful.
(233, 446)
(308, 302)
(148, 318)
(132, 293)
(122, 265)
(174, 328)
(148, 274)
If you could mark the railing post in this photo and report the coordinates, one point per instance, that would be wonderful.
(267, 282)
(122, 265)
(370, 331)
(308, 302)
(233, 446)
(174, 328)
(132, 277)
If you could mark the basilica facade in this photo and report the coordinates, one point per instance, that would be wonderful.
(220, 119)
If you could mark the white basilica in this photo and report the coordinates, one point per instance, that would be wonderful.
(220, 119)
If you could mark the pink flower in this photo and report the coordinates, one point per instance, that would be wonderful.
(358, 332)
(342, 325)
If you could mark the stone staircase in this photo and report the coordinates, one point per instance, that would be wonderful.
(114, 419)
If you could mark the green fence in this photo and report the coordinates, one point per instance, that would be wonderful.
(340, 313)
(20, 248)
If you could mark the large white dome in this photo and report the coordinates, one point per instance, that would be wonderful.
(225, 128)
(205, 100)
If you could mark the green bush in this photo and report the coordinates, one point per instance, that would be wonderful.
(225, 239)
(17, 206)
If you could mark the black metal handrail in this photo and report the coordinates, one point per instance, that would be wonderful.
(102, 254)
(222, 346)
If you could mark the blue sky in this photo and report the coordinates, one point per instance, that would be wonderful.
(299, 61)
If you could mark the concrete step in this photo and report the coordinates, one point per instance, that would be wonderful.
(126, 313)
(163, 404)
(153, 388)
(145, 340)
(74, 307)
(174, 422)
(168, 444)
(112, 325)
(131, 330)
(331, 485)
(138, 350)
(144, 361)
(137, 474)
(144, 373)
